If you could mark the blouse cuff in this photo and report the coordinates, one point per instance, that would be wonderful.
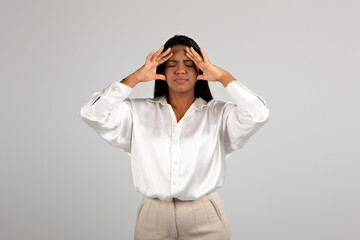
(241, 94)
(116, 93)
(112, 95)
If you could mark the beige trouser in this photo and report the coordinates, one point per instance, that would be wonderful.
(199, 219)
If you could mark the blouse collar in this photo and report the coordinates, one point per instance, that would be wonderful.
(199, 102)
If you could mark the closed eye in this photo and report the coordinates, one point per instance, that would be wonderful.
(188, 62)
(185, 65)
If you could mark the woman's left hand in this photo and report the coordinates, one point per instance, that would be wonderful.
(210, 71)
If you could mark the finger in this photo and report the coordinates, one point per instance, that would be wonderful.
(196, 61)
(150, 54)
(206, 59)
(160, 50)
(165, 58)
(196, 55)
(160, 77)
(157, 53)
(164, 54)
(188, 51)
(148, 58)
(191, 57)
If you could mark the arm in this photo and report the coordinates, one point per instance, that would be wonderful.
(240, 120)
(110, 115)
(129, 81)
(244, 117)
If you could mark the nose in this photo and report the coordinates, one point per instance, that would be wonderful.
(180, 68)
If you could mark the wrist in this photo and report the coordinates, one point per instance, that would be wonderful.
(130, 81)
(226, 78)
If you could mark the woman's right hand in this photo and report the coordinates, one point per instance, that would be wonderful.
(147, 72)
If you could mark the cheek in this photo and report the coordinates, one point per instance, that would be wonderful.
(194, 72)
(166, 71)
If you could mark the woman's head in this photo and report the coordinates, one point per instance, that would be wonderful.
(179, 65)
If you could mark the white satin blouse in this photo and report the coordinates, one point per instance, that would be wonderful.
(170, 159)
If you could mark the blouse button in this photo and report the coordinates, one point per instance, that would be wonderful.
(174, 182)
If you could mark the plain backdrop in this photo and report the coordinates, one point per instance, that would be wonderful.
(297, 178)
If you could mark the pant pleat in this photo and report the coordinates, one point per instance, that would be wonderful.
(200, 219)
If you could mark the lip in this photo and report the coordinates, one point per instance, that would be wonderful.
(180, 80)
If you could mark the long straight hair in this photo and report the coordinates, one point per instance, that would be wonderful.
(161, 87)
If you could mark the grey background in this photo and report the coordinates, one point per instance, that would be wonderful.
(297, 178)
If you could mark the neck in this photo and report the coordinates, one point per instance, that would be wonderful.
(181, 100)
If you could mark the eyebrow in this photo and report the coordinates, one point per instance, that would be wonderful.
(178, 61)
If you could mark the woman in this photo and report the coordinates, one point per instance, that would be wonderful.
(179, 140)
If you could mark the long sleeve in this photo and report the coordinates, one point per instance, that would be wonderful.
(243, 118)
(111, 115)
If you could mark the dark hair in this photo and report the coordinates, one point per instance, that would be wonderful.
(201, 86)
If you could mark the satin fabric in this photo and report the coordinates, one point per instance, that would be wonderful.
(170, 159)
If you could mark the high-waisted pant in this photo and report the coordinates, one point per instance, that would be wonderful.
(201, 219)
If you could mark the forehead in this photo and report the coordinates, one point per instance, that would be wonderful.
(178, 49)
(178, 52)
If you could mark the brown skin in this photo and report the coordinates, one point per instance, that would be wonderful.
(147, 72)
(186, 65)
(181, 95)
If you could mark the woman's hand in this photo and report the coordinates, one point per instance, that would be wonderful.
(147, 72)
(210, 71)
